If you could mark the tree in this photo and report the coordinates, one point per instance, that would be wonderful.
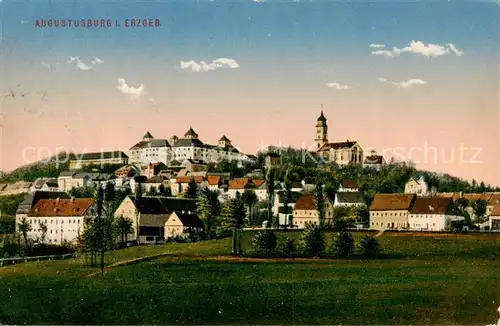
(192, 190)
(479, 209)
(123, 226)
(152, 191)
(43, 228)
(24, 228)
(320, 204)
(369, 247)
(234, 218)
(270, 195)
(250, 199)
(204, 211)
(343, 244)
(265, 243)
(166, 192)
(312, 240)
(287, 194)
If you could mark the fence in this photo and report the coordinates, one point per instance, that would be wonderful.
(18, 260)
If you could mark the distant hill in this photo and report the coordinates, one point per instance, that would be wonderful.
(48, 168)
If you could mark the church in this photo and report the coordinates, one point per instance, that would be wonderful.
(341, 153)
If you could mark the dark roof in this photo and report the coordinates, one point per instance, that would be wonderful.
(183, 142)
(81, 175)
(350, 197)
(349, 184)
(36, 196)
(190, 220)
(151, 143)
(224, 138)
(163, 205)
(392, 202)
(339, 145)
(67, 173)
(374, 159)
(193, 161)
(321, 117)
(147, 135)
(101, 155)
(306, 202)
(190, 132)
(174, 163)
(431, 205)
(273, 155)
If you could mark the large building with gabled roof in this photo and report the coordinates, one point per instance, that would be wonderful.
(190, 147)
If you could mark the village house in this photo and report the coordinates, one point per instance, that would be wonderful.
(272, 160)
(348, 186)
(45, 184)
(348, 199)
(494, 218)
(239, 185)
(390, 211)
(431, 214)
(126, 171)
(214, 182)
(152, 169)
(149, 215)
(285, 216)
(64, 218)
(418, 187)
(305, 211)
(374, 161)
(260, 189)
(194, 166)
(100, 159)
(34, 197)
(179, 224)
(181, 184)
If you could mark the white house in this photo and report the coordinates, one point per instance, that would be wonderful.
(179, 224)
(348, 186)
(64, 218)
(418, 187)
(279, 206)
(45, 184)
(431, 214)
(374, 161)
(494, 218)
(349, 198)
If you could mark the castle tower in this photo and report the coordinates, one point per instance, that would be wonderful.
(321, 132)
(147, 137)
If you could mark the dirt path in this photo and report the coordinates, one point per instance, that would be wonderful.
(379, 234)
(127, 262)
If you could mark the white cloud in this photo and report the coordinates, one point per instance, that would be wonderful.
(79, 64)
(260, 1)
(377, 46)
(134, 92)
(97, 61)
(152, 100)
(404, 84)
(337, 86)
(418, 47)
(202, 66)
(46, 65)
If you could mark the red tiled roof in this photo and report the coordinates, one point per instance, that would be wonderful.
(349, 184)
(186, 179)
(374, 159)
(496, 210)
(473, 197)
(241, 183)
(61, 207)
(306, 202)
(390, 202)
(258, 182)
(431, 205)
(213, 180)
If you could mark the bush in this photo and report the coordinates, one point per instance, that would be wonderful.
(265, 243)
(313, 241)
(287, 248)
(343, 245)
(369, 247)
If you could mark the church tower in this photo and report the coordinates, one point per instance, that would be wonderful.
(321, 132)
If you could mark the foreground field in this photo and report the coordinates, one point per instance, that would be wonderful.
(436, 279)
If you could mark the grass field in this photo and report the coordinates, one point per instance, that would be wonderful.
(426, 279)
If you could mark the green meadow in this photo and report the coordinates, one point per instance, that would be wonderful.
(423, 279)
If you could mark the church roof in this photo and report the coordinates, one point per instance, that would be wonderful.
(322, 117)
(190, 132)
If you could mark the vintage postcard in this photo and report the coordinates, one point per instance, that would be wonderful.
(310, 162)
